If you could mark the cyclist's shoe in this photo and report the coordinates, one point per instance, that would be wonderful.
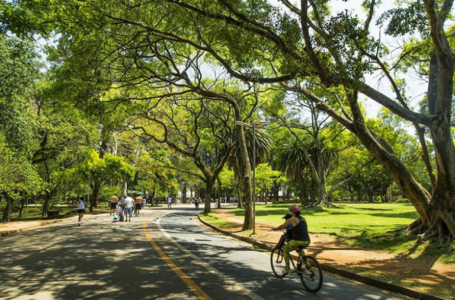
(287, 272)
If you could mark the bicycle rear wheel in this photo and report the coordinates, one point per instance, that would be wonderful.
(310, 273)
(277, 262)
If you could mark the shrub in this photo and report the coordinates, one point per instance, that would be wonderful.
(403, 200)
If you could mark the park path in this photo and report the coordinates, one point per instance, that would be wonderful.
(106, 260)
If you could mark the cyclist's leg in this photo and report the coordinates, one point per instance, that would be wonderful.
(292, 246)
(303, 244)
(286, 252)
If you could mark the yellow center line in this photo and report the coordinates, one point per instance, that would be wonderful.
(185, 278)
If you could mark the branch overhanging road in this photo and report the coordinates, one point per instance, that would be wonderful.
(163, 254)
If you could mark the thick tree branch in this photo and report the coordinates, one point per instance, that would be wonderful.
(396, 108)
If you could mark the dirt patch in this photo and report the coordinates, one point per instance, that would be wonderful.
(12, 228)
(16, 227)
(423, 275)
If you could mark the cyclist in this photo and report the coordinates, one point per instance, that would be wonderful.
(300, 236)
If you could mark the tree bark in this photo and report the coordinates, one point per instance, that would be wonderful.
(247, 184)
(22, 207)
(208, 195)
(385, 156)
(8, 209)
(47, 199)
(94, 199)
(184, 193)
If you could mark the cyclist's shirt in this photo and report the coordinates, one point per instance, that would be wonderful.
(300, 231)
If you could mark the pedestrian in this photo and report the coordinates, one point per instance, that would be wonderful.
(80, 210)
(196, 202)
(169, 202)
(144, 201)
(129, 204)
(113, 204)
(120, 213)
(138, 205)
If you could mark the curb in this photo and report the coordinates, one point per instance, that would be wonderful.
(53, 220)
(353, 276)
(17, 231)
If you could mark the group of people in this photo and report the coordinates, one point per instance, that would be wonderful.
(124, 209)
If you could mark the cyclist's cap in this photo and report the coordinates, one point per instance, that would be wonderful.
(287, 216)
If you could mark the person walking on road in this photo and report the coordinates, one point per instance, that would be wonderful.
(80, 210)
(129, 204)
(196, 203)
(113, 202)
(138, 205)
(169, 202)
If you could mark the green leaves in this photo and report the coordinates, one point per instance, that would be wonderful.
(408, 19)
(110, 167)
(18, 71)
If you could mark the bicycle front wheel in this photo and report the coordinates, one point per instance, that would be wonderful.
(277, 262)
(311, 273)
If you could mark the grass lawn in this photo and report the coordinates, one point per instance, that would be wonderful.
(360, 224)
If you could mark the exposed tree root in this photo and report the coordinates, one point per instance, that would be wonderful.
(438, 232)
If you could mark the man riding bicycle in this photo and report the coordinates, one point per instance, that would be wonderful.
(300, 237)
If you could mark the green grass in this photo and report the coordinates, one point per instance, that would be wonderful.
(212, 219)
(360, 224)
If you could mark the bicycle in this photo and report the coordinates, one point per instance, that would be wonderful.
(307, 268)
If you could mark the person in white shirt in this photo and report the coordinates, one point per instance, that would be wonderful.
(81, 210)
(129, 204)
(169, 202)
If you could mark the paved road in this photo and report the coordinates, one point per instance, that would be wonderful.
(161, 255)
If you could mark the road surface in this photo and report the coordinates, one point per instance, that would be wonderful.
(163, 254)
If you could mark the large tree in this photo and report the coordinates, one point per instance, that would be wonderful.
(288, 44)
(194, 127)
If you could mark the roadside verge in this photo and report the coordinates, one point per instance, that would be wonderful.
(328, 268)
(25, 226)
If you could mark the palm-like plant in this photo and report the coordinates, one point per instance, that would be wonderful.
(263, 145)
(305, 163)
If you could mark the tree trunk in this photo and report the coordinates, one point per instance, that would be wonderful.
(208, 195)
(238, 195)
(219, 194)
(8, 209)
(276, 192)
(385, 156)
(94, 199)
(442, 205)
(184, 193)
(370, 197)
(152, 197)
(22, 207)
(47, 199)
(247, 184)
(240, 202)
